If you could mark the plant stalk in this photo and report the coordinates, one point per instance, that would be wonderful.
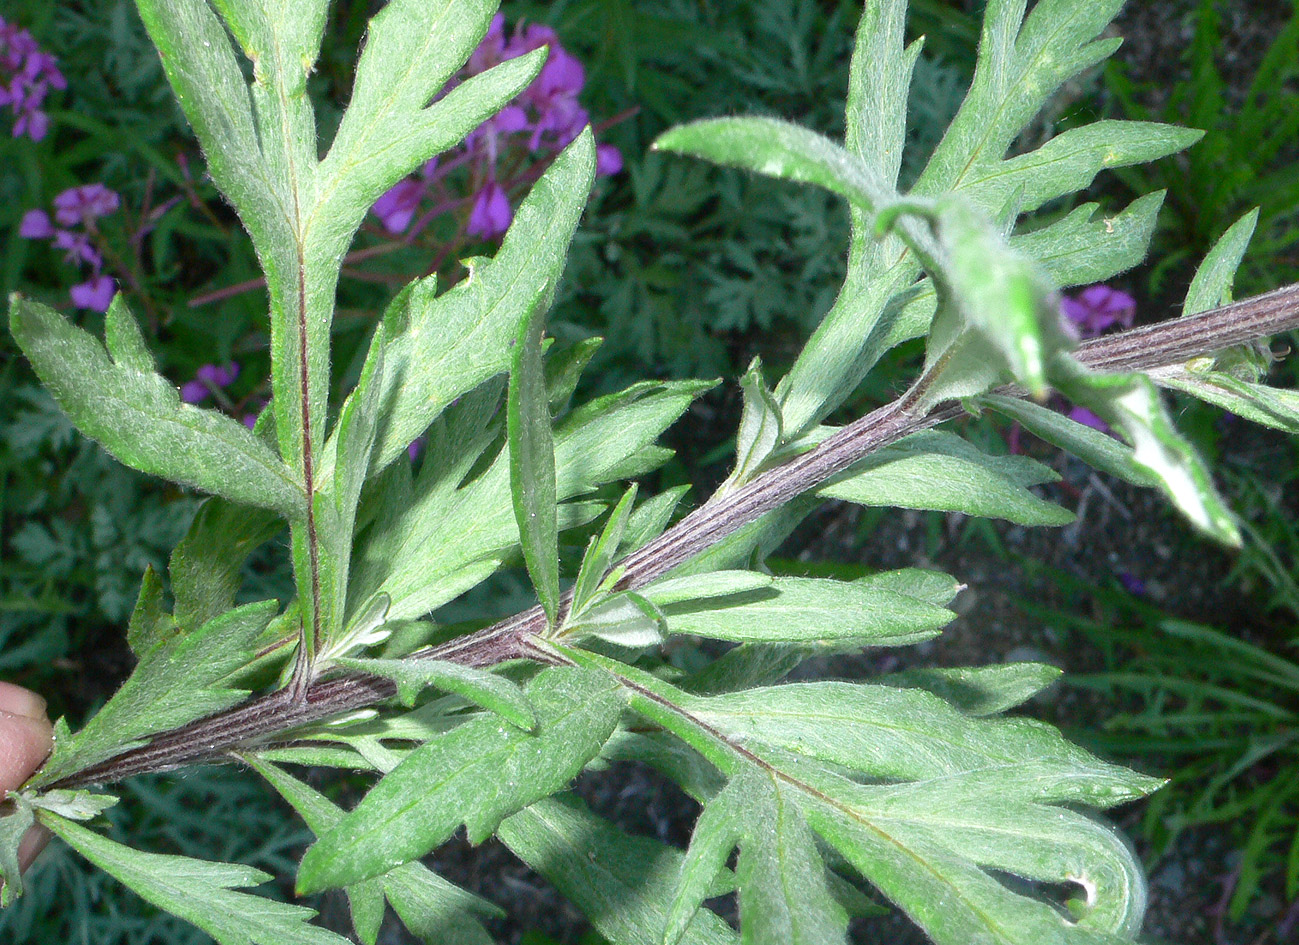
(270, 719)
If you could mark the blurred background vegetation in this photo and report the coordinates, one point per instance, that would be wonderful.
(688, 270)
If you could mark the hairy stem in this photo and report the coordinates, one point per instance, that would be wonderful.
(271, 719)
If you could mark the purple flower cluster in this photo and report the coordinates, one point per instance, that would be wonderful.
(1094, 311)
(75, 212)
(26, 77)
(208, 379)
(545, 117)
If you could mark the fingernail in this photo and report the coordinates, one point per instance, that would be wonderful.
(19, 701)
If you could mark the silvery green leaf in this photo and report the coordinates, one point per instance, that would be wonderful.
(564, 369)
(476, 774)
(199, 892)
(760, 432)
(489, 690)
(933, 587)
(998, 316)
(623, 883)
(74, 805)
(181, 679)
(951, 801)
(746, 666)
(205, 567)
(150, 623)
(123, 339)
(139, 417)
(1211, 285)
(940, 471)
(1079, 249)
(367, 627)
(1132, 404)
(706, 584)
(808, 611)
(978, 690)
(1274, 407)
(777, 148)
(601, 551)
(532, 463)
(651, 518)
(412, 49)
(14, 825)
(457, 340)
(426, 903)
(343, 472)
(1098, 450)
(1071, 160)
(626, 619)
(447, 539)
(784, 893)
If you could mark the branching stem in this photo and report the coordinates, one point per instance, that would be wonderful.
(270, 719)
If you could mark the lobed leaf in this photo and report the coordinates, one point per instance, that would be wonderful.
(200, 892)
(476, 774)
(454, 342)
(433, 909)
(622, 883)
(139, 417)
(182, 678)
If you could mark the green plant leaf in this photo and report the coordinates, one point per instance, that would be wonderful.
(344, 469)
(532, 463)
(949, 797)
(412, 49)
(200, 892)
(940, 471)
(14, 825)
(807, 611)
(1132, 404)
(180, 679)
(432, 908)
(600, 552)
(453, 533)
(779, 149)
(622, 883)
(1212, 283)
(209, 85)
(1270, 406)
(784, 893)
(978, 690)
(651, 518)
(456, 341)
(140, 419)
(491, 691)
(150, 623)
(205, 567)
(476, 774)
(626, 619)
(1098, 450)
(760, 432)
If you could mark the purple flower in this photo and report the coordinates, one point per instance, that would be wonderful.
(208, 378)
(396, 208)
(95, 293)
(608, 160)
(84, 204)
(1099, 308)
(36, 225)
(78, 248)
(491, 213)
(1087, 418)
(26, 76)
